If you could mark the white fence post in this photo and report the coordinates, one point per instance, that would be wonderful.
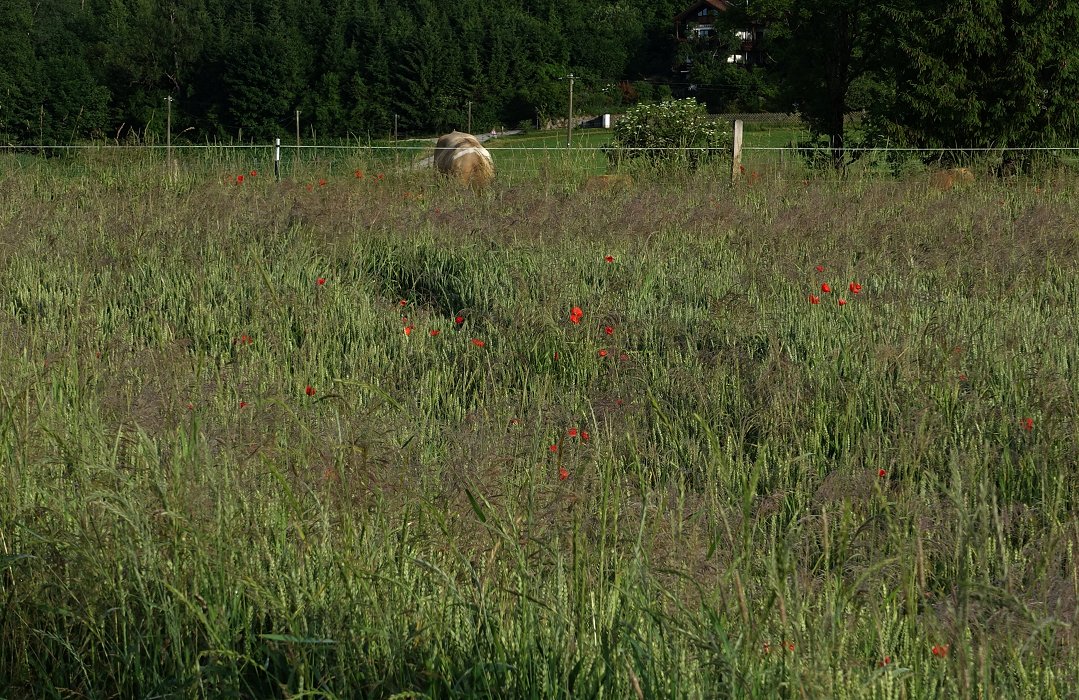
(736, 155)
(277, 160)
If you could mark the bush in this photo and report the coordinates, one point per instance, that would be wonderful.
(673, 131)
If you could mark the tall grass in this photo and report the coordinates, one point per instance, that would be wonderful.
(223, 478)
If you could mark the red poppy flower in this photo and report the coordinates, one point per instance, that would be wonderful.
(379, 176)
(962, 376)
(459, 320)
(855, 288)
(789, 645)
(552, 448)
(814, 299)
(575, 315)
(887, 660)
(242, 404)
(584, 435)
(556, 356)
(408, 330)
(608, 330)
(434, 332)
(320, 281)
(1028, 424)
(309, 187)
(239, 179)
(820, 268)
(609, 258)
(940, 650)
(603, 353)
(358, 174)
(563, 473)
(310, 390)
(825, 288)
(322, 182)
(190, 406)
(254, 173)
(572, 432)
(842, 302)
(403, 302)
(882, 473)
(478, 343)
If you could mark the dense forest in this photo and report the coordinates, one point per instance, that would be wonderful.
(77, 68)
(926, 72)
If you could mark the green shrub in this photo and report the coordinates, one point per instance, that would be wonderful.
(673, 131)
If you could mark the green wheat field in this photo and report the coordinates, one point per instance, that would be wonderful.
(342, 436)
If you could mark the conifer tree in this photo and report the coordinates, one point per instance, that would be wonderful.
(18, 67)
(823, 56)
(985, 73)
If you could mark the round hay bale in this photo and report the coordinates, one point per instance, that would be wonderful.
(462, 157)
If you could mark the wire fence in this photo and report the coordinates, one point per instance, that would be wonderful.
(774, 146)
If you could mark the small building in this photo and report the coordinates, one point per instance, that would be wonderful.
(697, 23)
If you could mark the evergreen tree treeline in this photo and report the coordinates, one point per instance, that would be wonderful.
(927, 73)
(72, 69)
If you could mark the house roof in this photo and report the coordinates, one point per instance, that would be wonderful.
(692, 10)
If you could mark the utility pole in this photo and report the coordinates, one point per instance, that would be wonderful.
(569, 124)
(469, 129)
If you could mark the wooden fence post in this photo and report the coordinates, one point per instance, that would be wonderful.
(736, 154)
(168, 135)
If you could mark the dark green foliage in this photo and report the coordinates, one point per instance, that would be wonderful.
(70, 102)
(992, 73)
(17, 68)
(106, 67)
(987, 73)
(938, 74)
(822, 52)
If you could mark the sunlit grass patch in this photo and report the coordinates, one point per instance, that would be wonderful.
(618, 449)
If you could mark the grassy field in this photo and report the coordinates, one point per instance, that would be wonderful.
(346, 437)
